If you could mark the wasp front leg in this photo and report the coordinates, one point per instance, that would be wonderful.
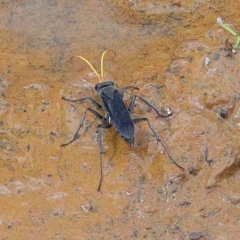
(97, 105)
(132, 102)
(123, 89)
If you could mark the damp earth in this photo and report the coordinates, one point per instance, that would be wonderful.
(175, 53)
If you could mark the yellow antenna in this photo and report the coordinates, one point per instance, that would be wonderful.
(89, 64)
(100, 77)
(108, 50)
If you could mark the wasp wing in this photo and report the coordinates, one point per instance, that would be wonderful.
(117, 112)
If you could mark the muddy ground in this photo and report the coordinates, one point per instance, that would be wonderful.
(174, 52)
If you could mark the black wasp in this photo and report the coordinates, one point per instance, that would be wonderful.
(116, 113)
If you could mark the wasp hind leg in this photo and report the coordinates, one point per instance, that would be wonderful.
(138, 120)
(99, 139)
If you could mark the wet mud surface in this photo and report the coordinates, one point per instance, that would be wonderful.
(174, 52)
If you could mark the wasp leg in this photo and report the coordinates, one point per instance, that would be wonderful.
(97, 105)
(137, 120)
(123, 89)
(133, 99)
(99, 139)
(96, 114)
